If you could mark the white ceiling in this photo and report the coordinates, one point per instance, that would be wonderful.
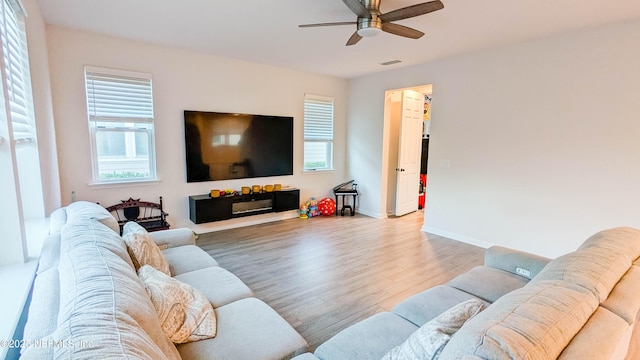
(267, 31)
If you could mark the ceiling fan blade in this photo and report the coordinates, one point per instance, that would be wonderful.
(401, 30)
(354, 39)
(357, 8)
(411, 11)
(329, 24)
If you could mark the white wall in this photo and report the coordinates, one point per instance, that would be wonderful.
(181, 81)
(43, 108)
(541, 137)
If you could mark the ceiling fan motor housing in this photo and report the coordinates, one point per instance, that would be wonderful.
(374, 24)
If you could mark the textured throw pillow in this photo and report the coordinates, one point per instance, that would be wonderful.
(428, 341)
(185, 314)
(142, 249)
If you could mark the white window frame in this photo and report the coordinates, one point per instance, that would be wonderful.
(318, 129)
(127, 114)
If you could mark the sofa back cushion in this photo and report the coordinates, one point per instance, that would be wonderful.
(604, 336)
(99, 290)
(85, 210)
(534, 322)
(599, 263)
(50, 253)
(624, 241)
(624, 300)
(57, 220)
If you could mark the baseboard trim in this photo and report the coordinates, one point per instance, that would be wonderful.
(457, 237)
(372, 214)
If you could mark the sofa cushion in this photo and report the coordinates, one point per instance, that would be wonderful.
(187, 258)
(50, 253)
(184, 312)
(219, 285)
(488, 283)
(623, 299)
(173, 237)
(599, 338)
(248, 329)
(142, 249)
(42, 318)
(623, 241)
(430, 303)
(99, 289)
(84, 210)
(57, 220)
(369, 339)
(534, 322)
(37, 352)
(595, 270)
(511, 260)
(599, 262)
(428, 341)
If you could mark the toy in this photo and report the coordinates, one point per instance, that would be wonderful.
(304, 210)
(312, 204)
(327, 207)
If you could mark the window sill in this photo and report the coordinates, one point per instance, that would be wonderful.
(318, 171)
(19, 279)
(106, 185)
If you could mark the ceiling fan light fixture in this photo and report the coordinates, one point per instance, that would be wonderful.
(369, 31)
(371, 21)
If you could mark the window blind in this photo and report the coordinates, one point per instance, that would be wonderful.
(120, 114)
(118, 97)
(18, 80)
(318, 118)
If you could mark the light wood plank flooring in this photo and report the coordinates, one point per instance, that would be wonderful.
(324, 274)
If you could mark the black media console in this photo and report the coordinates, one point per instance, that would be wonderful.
(203, 208)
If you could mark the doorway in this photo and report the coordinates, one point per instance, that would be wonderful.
(406, 136)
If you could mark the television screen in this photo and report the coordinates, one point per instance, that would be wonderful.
(223, 146)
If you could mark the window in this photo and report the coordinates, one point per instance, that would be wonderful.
(120, 108)
(17, 74)
(22, 176)
(318, 133)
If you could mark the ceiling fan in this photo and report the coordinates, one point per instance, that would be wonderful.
(371, 21)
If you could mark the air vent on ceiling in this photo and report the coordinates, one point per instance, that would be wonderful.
(390, 62)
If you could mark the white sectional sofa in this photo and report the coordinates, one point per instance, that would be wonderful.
(581, 306)
(88, 302)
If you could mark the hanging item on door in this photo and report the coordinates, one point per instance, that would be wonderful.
(427, 116)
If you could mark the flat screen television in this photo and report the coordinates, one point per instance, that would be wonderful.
(224, 146)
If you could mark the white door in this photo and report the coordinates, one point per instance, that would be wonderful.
(409, 152)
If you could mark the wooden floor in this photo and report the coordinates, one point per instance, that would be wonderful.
(324, 274)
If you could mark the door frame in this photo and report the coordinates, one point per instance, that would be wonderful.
(390, 149)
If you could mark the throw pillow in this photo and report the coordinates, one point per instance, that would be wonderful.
(428, 341)
(185, 314)
(142, 249)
